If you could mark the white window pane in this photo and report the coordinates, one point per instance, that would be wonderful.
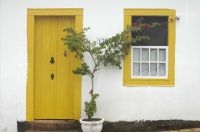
(162, 69)
(153, 54)
(136, 69)
(153, 69)
(145, 54)
(162, 54)
(136, 54)
(145, 69)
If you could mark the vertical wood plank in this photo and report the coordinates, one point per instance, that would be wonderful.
(77, 80)
(64, 92)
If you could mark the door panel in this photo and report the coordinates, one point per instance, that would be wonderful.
(53, 97)
(64, 92)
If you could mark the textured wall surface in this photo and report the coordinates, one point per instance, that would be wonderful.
(116, 102)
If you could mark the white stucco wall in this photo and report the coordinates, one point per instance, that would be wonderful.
(116, 102)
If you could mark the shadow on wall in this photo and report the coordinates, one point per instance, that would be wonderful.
(3, 130)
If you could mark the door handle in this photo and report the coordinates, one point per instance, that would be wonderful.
(52, 76)
(52, 60)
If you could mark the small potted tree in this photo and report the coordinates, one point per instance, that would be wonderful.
(109, 52)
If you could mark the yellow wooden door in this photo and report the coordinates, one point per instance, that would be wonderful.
(53, 97)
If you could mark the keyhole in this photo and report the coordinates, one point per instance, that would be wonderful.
(52, 76)
(52, 61)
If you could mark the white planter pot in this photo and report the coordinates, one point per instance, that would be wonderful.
(92, 126)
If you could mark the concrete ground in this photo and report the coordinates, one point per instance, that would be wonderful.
(55, 131)
(182, 130)
(185, 130)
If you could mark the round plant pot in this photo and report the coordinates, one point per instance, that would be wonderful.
(93, 125)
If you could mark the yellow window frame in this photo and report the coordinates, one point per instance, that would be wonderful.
(170, 81)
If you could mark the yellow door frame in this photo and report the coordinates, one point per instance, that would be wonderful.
(31, 14)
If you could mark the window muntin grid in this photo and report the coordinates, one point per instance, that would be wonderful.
(149, 62)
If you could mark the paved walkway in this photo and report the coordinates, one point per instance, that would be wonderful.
(55, 131)
(185, 130)
(182, 130)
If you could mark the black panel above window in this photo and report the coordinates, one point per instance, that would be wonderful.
(158, 35)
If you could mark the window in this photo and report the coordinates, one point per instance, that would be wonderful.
(151, 62)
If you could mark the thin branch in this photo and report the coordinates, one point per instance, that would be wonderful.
(95, 64)
(92, 58)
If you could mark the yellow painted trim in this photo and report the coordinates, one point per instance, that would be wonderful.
(29, 90)
(31, 14)
(170, 81)
(56, 11)
(149, 12)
